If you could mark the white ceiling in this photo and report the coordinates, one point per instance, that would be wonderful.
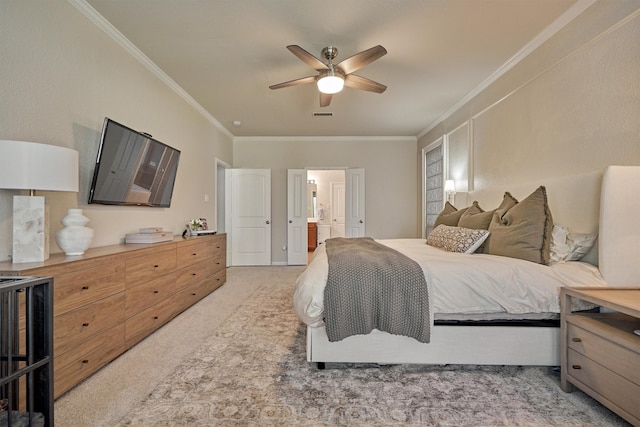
(225, 54)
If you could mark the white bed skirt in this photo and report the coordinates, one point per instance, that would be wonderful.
(474, 345)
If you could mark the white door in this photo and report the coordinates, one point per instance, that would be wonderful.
(250, 217)
(354, 218)
(297, 236)
(338, 209)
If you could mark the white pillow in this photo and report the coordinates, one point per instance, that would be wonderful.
(457, 239)
(580, 244)
(559, 248)
(567, 246)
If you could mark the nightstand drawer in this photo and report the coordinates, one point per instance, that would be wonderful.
(619, 359)
(606, 383)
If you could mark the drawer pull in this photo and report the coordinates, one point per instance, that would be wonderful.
(576, 367)
(155, 266)
(194, 254)
(84, 288)
(85, 325)
(576, 339)
(193, 294)
(194, 274)
(155, 317)
(155, 292)
(85, 361)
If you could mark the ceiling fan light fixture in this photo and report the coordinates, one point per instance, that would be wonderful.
(331, 82)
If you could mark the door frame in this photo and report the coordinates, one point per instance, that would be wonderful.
(361, 193)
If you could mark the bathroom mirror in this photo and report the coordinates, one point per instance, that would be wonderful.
(312, 199)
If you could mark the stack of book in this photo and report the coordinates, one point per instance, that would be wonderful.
(149, 235)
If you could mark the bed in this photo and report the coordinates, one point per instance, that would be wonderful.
(506, 326)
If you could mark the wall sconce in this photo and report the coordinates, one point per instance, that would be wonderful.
(450, 190)
(32, 166)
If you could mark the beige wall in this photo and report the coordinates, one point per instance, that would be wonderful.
(391, 177)
(60, 76)
(571, 108)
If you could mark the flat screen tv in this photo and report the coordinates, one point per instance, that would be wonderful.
(133, 169)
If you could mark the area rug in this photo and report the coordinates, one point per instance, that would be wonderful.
(253, 372)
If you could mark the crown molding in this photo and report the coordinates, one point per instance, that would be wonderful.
(241, 139)
(95, 17)
(564, 19)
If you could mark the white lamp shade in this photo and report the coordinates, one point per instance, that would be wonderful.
(449, 186)
(33, 166)
(330, 84)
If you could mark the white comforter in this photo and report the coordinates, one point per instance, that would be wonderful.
(470, 284)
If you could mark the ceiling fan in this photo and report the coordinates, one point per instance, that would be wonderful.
(331, 77)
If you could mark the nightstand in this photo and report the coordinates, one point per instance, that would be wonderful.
(600, 351)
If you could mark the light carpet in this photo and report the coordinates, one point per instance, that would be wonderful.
(253, 372)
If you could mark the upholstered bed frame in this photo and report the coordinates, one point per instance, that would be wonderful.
(611, 200)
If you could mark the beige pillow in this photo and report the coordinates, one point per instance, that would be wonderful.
(449, 215)
(508, 201)
(524, 230)
(475, 217)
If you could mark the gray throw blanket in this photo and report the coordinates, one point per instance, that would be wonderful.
(371, 286)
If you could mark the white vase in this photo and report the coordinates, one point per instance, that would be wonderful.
(74, 238)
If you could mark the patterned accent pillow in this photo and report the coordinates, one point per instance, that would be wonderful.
(457, 239)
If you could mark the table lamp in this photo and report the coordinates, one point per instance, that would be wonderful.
(32, 166)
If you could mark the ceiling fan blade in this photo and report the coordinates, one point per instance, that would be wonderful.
(359, 60)
(362, 83)
(307, 58)
(296, 82)
(325, 99)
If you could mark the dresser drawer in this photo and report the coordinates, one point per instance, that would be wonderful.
(195, 293)
(192, 274)
(196, 250)
(615, 357)
(72, 328)
(219, 262)
(150, 293)
(147, 267)
(606, 383)
(80, 287)
(142, 324)
(218, 279)
(89, 356)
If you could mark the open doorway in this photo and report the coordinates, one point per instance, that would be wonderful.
(325, 205)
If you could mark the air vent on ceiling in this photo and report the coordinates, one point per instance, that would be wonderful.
(322, 114)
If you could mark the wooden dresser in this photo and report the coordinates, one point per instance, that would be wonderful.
(600, 351)
(110, 298)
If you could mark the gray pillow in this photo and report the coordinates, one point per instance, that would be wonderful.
(524, 230)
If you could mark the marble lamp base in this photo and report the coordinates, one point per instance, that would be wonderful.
(30, 229)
